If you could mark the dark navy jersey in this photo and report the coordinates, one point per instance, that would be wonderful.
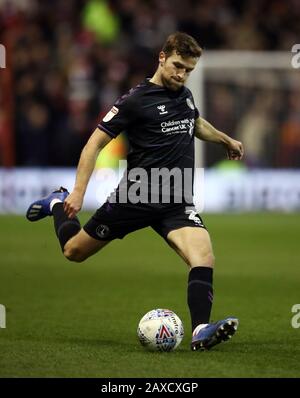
(159, 124)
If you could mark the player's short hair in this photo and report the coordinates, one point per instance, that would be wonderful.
(184, 45)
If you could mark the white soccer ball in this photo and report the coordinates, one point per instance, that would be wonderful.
(160, 330)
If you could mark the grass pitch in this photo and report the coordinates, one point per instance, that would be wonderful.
(79, 320)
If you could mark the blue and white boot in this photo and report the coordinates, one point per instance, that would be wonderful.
(41, 208)
(206, 336)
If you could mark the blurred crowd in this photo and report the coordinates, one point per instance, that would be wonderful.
(69, 60)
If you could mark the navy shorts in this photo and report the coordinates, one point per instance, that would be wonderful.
(115, 220)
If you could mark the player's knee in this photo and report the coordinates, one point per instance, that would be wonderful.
(210, 259)
(204, 258)
(73, 253)
(207, 256)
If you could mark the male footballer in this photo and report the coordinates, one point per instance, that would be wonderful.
(161, 122)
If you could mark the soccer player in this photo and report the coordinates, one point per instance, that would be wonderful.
(161, 122)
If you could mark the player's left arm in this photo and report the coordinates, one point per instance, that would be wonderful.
(206, 132)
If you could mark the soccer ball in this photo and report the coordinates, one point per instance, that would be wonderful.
(160, 330)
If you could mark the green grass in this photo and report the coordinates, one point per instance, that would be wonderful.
(79, 320)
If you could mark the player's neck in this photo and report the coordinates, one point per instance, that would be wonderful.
(156, 79)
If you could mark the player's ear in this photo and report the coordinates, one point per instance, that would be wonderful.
(162, 58)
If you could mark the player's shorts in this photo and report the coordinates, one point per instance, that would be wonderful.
(115, 220)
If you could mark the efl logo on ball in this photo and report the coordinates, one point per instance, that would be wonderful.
(160, 330)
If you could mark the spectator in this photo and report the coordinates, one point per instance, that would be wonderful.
(70, 60)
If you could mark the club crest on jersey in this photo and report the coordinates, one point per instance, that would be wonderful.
(190, 103)
(162, 109)
(114, 110)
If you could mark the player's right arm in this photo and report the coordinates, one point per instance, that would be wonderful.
(97, 141)
(116, 120)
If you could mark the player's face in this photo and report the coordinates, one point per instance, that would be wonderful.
(175, 70)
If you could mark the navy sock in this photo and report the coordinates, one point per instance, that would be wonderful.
(200, 294)
(65, 227)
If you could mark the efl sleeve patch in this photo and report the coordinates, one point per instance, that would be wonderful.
(121, 115)
(113, 112)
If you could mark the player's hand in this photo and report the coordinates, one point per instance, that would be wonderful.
(72, 204)
(235, 150)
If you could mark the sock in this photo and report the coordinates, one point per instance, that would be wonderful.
(65, 227)
(200, 295)
(53, 202)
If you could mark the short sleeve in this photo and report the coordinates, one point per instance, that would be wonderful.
(192, 104)
(121, 115)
